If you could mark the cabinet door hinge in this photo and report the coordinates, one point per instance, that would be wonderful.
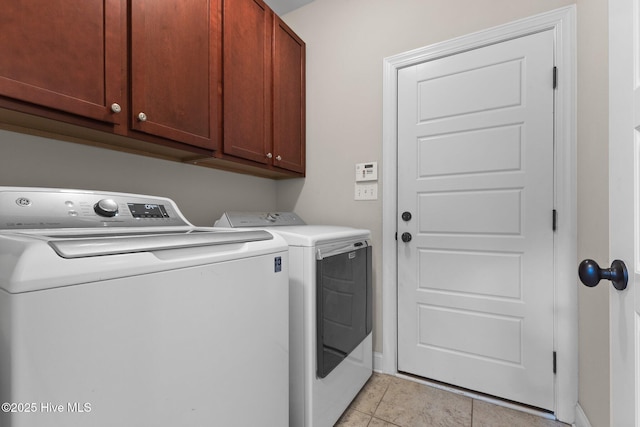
(554, 220)
(555, 77)
(554, 362)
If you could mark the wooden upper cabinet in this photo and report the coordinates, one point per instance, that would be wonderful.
(264, 87)
(176, 69)
(247, 79)
(214, 82)
(288, 98)
(63, 55)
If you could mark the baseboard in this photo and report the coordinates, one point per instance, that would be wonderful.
(581, 418)
(378, 362)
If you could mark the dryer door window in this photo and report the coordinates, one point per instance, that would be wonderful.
(344, 306)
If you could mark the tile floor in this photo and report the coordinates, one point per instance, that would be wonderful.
(387, 401)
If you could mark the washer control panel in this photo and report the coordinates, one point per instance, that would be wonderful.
(44, 208)
(258, 219)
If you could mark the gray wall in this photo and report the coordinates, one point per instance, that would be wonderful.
(593, 216)
(202, 193)
(346, 43)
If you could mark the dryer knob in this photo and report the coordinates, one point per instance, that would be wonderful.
(106, 207)
(271, 217)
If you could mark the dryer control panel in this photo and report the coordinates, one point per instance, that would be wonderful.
(258, 219)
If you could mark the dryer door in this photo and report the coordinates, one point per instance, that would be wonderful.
(344, 305)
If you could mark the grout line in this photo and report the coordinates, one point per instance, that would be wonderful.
(373, 415)
(380, 401)
(473, 402)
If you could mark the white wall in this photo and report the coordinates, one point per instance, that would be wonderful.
(346, 43)
(201, 193)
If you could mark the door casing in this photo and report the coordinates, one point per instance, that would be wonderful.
(624, 306)
(563, 23)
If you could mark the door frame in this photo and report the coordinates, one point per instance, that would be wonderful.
(624, 348)
(563, 23)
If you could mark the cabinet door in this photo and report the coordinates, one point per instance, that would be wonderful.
(288, 99)
(247, 79)
(64, 55)
(175, 63)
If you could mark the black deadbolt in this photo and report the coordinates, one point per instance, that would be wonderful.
(406, 216)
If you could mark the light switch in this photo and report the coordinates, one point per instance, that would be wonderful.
(366, 191)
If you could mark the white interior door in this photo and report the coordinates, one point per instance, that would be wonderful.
(475, 171)
(624, 154)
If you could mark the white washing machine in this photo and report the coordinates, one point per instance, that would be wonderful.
(116, 311)
(331, 295)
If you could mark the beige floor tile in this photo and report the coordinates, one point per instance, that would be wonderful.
(409, 404)
(489, 415)
(396, 402)
(376, 422)
(353, 418)
(369, 398)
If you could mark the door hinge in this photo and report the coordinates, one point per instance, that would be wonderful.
(555, 77)
(554, 220)
(554, 362)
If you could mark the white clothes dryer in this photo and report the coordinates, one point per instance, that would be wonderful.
(331, 298)
(116, 311)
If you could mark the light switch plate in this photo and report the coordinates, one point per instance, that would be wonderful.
(367, 171)
(366, 191)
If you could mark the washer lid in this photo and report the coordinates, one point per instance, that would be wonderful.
(80, 246)
(29, 262)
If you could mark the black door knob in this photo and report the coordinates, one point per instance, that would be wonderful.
(590, 273)
(406, 237)
(406, 216)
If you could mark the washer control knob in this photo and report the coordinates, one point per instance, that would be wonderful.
(106, 207)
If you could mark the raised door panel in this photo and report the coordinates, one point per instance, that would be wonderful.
(288, 99)
(175, 60)
(65, 56)
(247, 79)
